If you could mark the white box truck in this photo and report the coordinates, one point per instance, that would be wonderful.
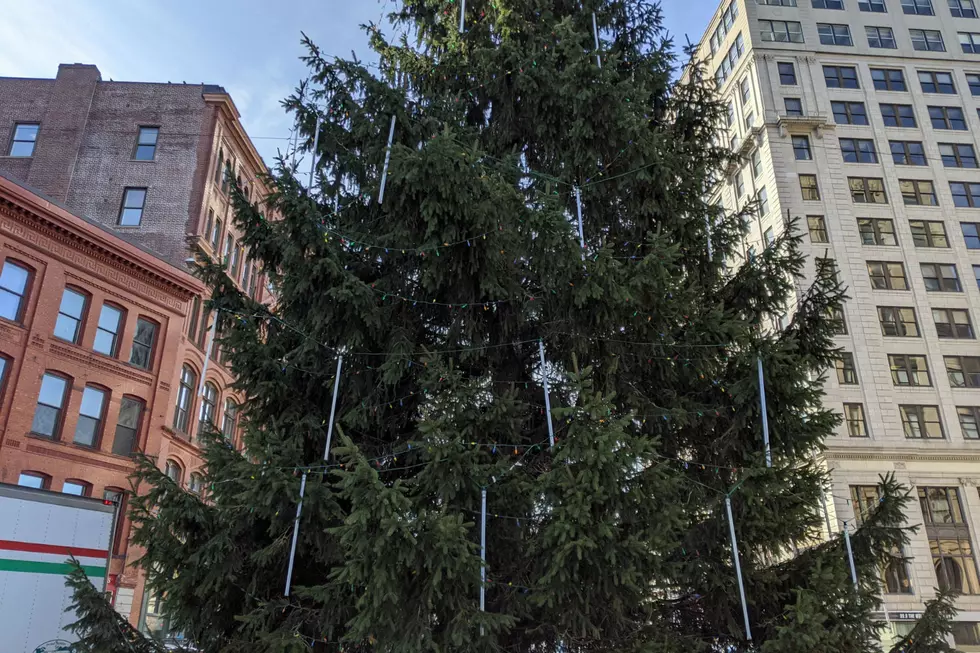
(39, 532)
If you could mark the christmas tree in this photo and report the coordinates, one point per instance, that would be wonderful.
(529, 342)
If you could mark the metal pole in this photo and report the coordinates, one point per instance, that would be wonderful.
(292, 547)
(595, 32)
(333, 407)
(483, 553)
(547, 395)
(765, 416)
(316, 144)
(850, 556)
(462, 15)
(578, 206)
(384, 171)
(207, 356)
(738, 568)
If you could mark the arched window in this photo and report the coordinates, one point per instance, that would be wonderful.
(88, 431)
(15, 278)
(49, 414)
(195, 312)
(109, 330)
(36, 480)
(196, 484)
(174, 471)
(184, 394)
(128, 426)
(230, 423)
(76, 487)
(71, 315)
(217, 166)
(209, 404)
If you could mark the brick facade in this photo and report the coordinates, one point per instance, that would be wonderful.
(84, 158)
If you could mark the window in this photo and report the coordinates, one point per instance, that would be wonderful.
(877, 231)
(216, 235)
(229, 423)
(50, 403)
(928, 233)
(107, 333)
(142, 352)
(934, 82)
(909, 370)
(236, 261)
(208, 225)
(229, 248)
(209, 403)
(762, 197)
(969, 42)
(958, 155)
(131, 212)
(128, 426)
(858, 150)
(226, 177)
(217, 166)
(818, 229)
(13, 288)
(828, 4)
(787, 73)
(778, 3)
(949, 539)
(920, 7)
(196, 483)
(25, 137)
(182, 414)
(976, 274)
(867, 190)
(973, 81)
(962, 8)
(846, 371)
(781, 31)
(971, 234)
(194, 314)
(940, 277)
(898, 115)
(965, 194)
(729, 61)
(834, 34)
(794, 106)
(173, 472)
(837, 317)
(808, 186)
(854, 419)
(953, 323)
(907, 153)
(801, 148)
(917, 192)
(146, 144)
(885, 79)
(730, 113)
(89, 428)
(769, 236)
(898, 321)
(203, 333)
(876, 6)
(756, 171)
(68, 325)
(749, 120)
(77, 488)
(34, 480)
(930, 40)
(895, 572)
(887, 276)
(969, 417)
(880, 37)
(727, 20)
(947, 118)
(921, 422)
(840, 76)
(963, 371)
(739, 185)
(849, 113)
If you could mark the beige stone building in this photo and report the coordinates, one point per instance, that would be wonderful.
(861, 118)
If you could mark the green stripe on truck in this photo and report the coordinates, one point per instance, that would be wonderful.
(36, 567)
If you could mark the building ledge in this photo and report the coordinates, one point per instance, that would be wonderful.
(751, 140)
(815, 122)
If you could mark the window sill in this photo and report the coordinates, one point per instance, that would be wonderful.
(11, 156)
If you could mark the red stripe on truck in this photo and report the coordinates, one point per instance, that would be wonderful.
(34, 547)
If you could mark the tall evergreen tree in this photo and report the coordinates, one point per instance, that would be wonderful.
(440, 298)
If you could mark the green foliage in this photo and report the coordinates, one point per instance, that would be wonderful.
(933, 628)
(438, 299)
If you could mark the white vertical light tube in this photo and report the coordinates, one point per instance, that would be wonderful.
(765, 415)
(316, 144)
(462, 15)
(850, 556)
(333, 407)
(738, 568)
(595, 32)
(547, 395)
(384, 171)
(292, 547)
(483, 553)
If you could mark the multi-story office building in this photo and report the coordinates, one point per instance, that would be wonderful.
(150, 164)
(860, 117)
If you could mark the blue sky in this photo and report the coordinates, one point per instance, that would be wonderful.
(241, 45)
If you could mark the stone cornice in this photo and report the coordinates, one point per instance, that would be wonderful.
(897, 454)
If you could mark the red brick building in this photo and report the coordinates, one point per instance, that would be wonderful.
(90, 337)
(149, 163)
